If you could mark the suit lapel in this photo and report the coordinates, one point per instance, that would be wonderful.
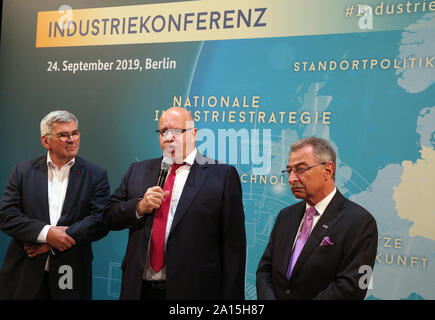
(76, 176)
(328, 219)
(194, 182)
(151, 177)
(41, 187)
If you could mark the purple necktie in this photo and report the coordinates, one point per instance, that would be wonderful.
(302, 238)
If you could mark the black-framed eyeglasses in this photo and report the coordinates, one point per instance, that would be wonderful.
(174, 132)
(300, 170)
(64, 136)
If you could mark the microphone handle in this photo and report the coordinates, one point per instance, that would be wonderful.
(162, 178)
(161, 181)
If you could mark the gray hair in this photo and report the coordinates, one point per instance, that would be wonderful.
(56, 116)
(322, 150)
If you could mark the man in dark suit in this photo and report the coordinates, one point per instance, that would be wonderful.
(196, 248)
(323, 247)
(52, 208)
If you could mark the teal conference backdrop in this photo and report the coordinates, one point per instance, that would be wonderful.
(256, 75)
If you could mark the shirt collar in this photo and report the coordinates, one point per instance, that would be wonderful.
(191, 157)
(321, 205)
(51, 164)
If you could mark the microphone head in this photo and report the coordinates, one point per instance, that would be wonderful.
(166, 163)
(164, 169)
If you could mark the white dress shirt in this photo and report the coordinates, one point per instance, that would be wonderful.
(180, 180)
(57, 185)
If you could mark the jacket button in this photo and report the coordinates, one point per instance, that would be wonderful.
(287, 292)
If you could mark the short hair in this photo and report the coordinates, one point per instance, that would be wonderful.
(322, 150)
(56, 116)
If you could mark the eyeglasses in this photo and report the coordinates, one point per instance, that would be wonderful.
(300, 170)
(64, 136)
(174, 132)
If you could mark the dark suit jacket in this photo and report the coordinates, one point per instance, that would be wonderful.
(206, 248)
(25, 211)
(321, 272)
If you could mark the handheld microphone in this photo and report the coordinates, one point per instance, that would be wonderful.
(164, 169)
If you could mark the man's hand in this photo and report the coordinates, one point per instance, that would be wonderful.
(35, 249)
(57, 238)
(152, 199)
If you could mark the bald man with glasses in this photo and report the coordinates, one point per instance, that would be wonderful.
(186, 240)
(323, 247)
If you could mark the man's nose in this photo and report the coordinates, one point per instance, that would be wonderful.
(168, 137)
(292, 178)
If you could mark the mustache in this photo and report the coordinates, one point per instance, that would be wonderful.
(296, 186)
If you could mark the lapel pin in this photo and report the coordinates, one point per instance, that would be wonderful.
(325, 226)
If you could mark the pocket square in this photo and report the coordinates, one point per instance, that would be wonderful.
(326, 242)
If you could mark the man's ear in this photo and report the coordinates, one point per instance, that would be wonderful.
(44, 142)
(329, 169)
